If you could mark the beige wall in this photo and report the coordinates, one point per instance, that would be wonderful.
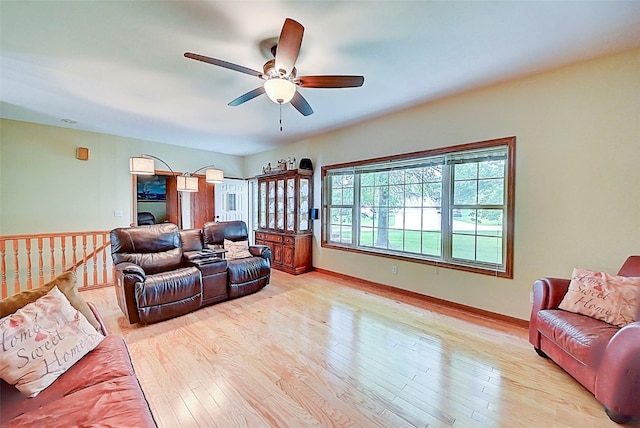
(44, 188)
(577, 176)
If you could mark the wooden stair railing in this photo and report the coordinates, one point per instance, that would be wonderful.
(87, 253)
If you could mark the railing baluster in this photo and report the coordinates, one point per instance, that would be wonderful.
(3, 264)
(16, 265)
(84, 259)
(52, 247)
(74, 243)
(104, 258)
(94, 238)
(63, 244)
(40, 262)
(29, 281)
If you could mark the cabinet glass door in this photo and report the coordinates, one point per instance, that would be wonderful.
(280, 205)
(262, 203)
(303, 213)
(272, 204)
(291, 205)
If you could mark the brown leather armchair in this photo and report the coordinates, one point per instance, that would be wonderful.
(604, 358)
(246, 275)
(146, 218)
(153, 282)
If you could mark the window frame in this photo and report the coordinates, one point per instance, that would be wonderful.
(445, 259)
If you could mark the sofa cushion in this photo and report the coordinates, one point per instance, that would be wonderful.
(43, 340)
(613, 299)
(155, 248)
(169, 294)
(118, 402)
(583, 337)
(214, 233)
(167, 287)
(191, 240)
(66, 282)
(245, 270)
(149, 239)
(153, 262)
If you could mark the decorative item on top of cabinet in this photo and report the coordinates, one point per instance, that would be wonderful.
(284, 200)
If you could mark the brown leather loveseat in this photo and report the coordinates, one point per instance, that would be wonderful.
(162, 272)
(604, 358)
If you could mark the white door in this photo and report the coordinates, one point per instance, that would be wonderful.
(232, 200)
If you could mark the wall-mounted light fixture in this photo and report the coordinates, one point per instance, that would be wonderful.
(144, 165)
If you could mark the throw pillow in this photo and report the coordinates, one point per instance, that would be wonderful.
(237, 249)
(65, 283)
(612, 299)
(43, 340)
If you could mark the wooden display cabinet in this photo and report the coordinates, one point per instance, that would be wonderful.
(284, 201)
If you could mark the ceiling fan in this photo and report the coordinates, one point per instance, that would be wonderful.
(279, 74)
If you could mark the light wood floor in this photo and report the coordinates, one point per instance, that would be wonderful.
(316, 350)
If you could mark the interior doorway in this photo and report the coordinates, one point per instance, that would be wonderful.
(232, 201)
(156, 200)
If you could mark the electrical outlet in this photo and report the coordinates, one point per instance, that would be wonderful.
(117, 213)
(394, 270)
(531, 297)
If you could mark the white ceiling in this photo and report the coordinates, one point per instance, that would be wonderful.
(117, 67)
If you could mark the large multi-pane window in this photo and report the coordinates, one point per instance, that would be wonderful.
(452, 207)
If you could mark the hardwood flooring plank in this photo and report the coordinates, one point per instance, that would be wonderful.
(319, 350)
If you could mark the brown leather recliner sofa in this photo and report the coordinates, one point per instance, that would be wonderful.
(162, 272)
(604, 358)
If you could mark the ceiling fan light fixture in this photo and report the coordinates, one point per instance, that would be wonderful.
(279, 90)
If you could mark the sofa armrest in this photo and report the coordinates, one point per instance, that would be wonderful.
(263, 251)
(127, 275)
(128, 268)
(103, 326)
(618, 378)
(547, 294)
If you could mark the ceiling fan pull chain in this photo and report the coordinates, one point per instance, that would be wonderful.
(280, 117)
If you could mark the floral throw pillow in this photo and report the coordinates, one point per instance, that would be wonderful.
(612, 299)
(43, 340)
(237, 249)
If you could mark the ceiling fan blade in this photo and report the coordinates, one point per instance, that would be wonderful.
(301, 104)
(329, 81)
(224, 64)
(288, 46)
(248, 96)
